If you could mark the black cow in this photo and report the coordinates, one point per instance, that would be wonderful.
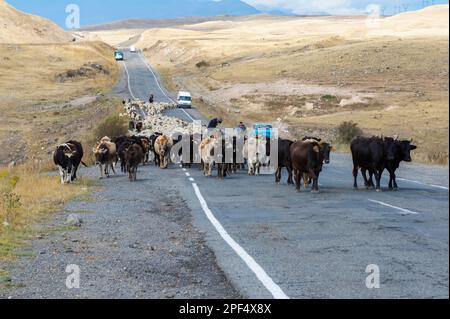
(397, 152)
(369, 154)
(284, 160)
(152, 147)
(68, 157)
(134, 155)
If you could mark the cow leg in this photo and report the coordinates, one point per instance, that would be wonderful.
(378, 174)
(101, 171)
(392, 180)
(107, 170)
(210, 168)
(61, 174)
(220, 170)
(367, 182)
(74, 173)
(278, 174)
(355, 177)
(67, 176)
(394, 177)
(157, 159)
(298, 180)
(315, 181)
(371, 183)
(112, 168)
(290, 180)
(306, 180)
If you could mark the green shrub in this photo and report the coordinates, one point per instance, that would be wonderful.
(328, 98)
(347, 131)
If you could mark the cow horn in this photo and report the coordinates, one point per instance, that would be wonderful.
(396, 136)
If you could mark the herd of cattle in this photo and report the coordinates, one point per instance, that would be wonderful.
(303, 159)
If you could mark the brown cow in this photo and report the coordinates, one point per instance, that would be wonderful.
(206, 151)
(105, 155)
(307, 158)
(163, 146)
(325, 149)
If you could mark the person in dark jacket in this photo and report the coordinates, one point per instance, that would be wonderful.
(151, 98)
(241, 127)
(215, 122)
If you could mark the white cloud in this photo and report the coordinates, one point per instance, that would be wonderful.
(307, 6)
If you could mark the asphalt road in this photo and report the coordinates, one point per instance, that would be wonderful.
(177, 234)
(319, 245)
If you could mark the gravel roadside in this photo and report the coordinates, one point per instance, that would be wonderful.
(135, 241)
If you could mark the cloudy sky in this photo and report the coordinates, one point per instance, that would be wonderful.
(341, 6)
(94, 12)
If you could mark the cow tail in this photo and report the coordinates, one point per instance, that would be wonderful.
(84, 164)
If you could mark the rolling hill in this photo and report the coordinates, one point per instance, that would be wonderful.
(19, 27)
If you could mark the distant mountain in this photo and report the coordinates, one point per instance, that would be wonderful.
(100, 12)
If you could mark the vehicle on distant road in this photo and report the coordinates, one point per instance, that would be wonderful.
(118, 55)
(184, 100)
(133, 49)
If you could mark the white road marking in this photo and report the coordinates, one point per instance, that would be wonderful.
(188, 175)
(406, 211)
(260, 273)
(420, 183)
(129, 82)
(184, 170)
(191, 179)
(154, 75)
(189, 115)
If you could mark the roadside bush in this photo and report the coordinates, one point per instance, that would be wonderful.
(202, 64)
(347, 131)
(112, 126)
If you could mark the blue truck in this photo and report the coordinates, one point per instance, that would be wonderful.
(263, 129)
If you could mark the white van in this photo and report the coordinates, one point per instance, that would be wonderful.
(184, 100)
(133, 49)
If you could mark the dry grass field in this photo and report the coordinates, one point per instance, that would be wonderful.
(51, 90)
(37, 107)
(310, 74)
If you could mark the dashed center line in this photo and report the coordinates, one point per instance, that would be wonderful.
(405, 211)
(420, 183)
(129, 81)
